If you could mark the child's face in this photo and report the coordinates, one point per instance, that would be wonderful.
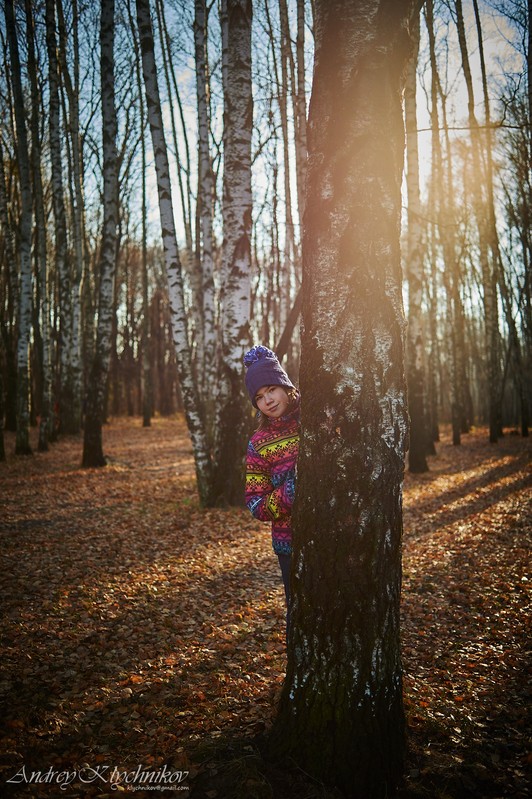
(272, 401)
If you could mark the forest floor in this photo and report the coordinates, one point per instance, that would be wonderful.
(142, 636)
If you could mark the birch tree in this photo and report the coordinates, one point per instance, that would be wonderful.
(43, 311)
(206, 337)
(60, 226)
(500, 278)
(341, 715)
(300, 113)
(71, 420)
(433, 383)
(22, 445)
(480, 209)
(417, 461)
(445, 216)
(146, 365)
(174, 272)
(285, 82)
(11, 292)
(96, 393)
(231, 418)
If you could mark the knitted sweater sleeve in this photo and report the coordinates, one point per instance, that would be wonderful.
(267, 501)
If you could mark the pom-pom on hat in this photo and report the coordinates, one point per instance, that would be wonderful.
(263, 369)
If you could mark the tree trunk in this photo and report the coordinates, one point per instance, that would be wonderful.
(452, 254)
(231, 429)
(43, 312)
(515, 344)
(61, 264)
(71, 417)
(529, 69)
(300, 114)
(341, 713)
(417, 461)
(284, 89)
(172, 262)
(286, 336)
(95, 406)
(206, 336)
(2, 415)
(433, 399)
(22, 445)
(147, 372)
(8, 318)
(481, 211)
(185, 191)
(516, 357)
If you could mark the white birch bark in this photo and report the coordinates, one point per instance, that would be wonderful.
(147, 390)
(92, 441)
(172, 261)
(185, 186)
(22, 446)
(72, 88)
(206, 337)
(231, 424)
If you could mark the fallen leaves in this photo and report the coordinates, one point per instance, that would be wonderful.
(138, 629)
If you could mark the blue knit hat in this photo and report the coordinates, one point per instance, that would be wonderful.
(263, 369)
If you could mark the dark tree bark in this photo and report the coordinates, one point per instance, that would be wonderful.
(22, 446)
(481, 212)
(8, 321)
(62, 268)
(2, 415)
(42, 310)
(341, 712)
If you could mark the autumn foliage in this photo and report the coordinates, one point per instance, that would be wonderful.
(139, 629)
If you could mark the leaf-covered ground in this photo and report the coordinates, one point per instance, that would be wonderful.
(142, 636)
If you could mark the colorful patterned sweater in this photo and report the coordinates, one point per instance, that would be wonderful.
(271, 475)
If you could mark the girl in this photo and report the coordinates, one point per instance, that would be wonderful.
(272, 452)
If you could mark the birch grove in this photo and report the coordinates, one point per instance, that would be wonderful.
(466, 256)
